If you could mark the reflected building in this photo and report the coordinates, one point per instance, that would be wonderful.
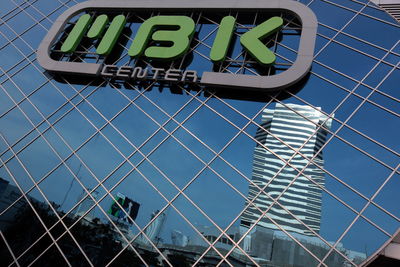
(179, 239)
(153, 231)
(86, 205)
(270, 247)
(10, 207)
(289, 136)
(8, 195)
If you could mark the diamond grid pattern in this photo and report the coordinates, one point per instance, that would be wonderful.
(77, 99)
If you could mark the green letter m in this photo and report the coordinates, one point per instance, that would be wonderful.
(96, 30)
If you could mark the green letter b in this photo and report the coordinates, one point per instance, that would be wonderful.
(179, 38)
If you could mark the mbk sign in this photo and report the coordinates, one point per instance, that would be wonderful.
(168, 38)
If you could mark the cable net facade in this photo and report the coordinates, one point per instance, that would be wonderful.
(100, 172)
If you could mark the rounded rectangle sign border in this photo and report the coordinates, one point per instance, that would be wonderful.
(272, 83)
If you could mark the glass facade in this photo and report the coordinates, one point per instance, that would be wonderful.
(100, 172)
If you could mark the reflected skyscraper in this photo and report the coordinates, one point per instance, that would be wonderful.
(153, 231)
(179, 239)
(289, 136)
(86, 205)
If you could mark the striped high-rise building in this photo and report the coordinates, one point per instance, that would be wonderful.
(153, 231)
(289, 136)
